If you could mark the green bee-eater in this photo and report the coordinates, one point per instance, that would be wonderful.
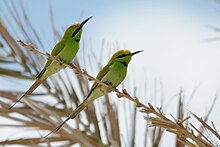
(65, 50)
(113, 73)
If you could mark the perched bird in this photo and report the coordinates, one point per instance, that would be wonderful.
(65, 50)
(113, 74)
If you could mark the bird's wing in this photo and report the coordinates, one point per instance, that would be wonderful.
(56, 50)
(101, 74)
(99, 77)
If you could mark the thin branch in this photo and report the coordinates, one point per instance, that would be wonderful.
(160, 120)
(83, 72)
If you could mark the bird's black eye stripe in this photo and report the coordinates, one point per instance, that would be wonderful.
(77, 40)
(76, 31)
(123, 55)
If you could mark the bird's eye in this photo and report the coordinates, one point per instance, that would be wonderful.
(123, 55)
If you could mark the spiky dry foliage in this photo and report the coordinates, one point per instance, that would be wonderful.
(184, 133)
(63, 96)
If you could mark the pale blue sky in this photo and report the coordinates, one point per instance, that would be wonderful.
(171, 34)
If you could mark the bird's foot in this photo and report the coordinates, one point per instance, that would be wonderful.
(58, 60)
(109, 86)
(73, 65)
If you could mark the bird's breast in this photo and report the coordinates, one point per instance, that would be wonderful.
(116, 74)
(69, 52)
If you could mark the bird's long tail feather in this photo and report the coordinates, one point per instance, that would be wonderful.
(29, 91)
(71, 116)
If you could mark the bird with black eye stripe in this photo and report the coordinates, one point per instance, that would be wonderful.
(65, 50)
(113, 73)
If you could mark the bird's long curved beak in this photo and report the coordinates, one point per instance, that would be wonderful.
(84, 22)
(136, 52)
(81, 26)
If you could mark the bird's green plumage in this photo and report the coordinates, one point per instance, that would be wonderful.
(66, 54)
(110, 70)
(65, 50)
(113, 73)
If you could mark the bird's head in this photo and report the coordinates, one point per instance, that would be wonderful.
(75, 30)
(123, 56)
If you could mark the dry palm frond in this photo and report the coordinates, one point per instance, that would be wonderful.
(57, 100)
(60, 96)
(161, 121)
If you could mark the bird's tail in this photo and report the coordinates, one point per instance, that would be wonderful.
(29, 91)
(71, 116)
